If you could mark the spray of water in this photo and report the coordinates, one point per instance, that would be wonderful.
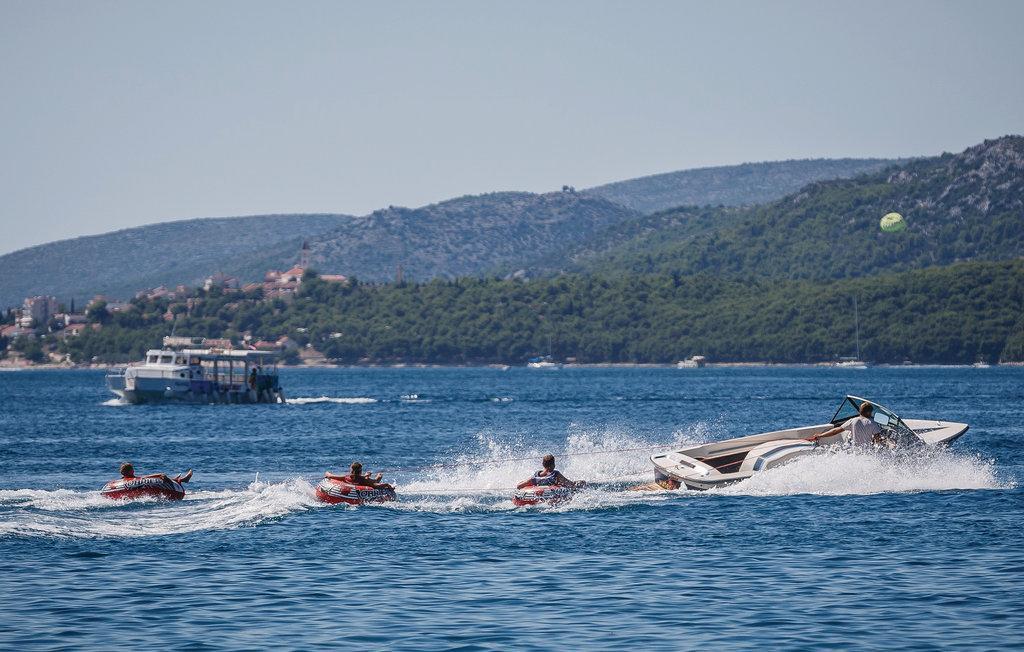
(70, 514)
(482, 480)
(342, 400)
(847, 472)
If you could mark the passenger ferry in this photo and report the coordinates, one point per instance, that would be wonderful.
(189, 369)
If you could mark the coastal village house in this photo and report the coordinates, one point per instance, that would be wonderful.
(40, 315)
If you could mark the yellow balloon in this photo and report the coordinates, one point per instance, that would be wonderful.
(892, 222)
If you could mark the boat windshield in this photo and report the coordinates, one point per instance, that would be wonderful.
(891, 424)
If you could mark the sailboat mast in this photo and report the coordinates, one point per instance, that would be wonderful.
(856, 319)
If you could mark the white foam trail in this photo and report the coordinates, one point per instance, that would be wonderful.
(115, 402)
(475, 482)
(354, 400)
(64, 513)
(844, 472)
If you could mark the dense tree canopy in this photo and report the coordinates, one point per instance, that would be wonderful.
(955, 314)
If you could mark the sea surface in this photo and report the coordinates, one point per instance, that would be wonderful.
(840, 551)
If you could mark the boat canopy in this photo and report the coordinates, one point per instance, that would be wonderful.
(198, 356)
(889, 421)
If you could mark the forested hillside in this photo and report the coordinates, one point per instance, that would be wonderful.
(123, 262)
(731, 185)
(968, 206)
(955, 314)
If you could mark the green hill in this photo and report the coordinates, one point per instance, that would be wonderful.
(954, 314)
(968, 206)
(121, 263)
(464, 236)
(731, 185)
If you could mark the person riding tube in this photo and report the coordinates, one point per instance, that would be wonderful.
(355, 476)
(549, 476)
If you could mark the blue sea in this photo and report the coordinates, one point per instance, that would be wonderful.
(841, 551)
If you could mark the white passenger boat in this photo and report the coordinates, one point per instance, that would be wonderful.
(185, 370)
(726, 462)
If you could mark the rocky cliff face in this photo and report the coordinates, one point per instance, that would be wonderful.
(464, 237)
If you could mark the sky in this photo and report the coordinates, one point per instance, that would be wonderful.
(118, 114)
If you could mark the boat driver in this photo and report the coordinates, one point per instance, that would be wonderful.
(128, 473)
(861, 431)
(355, 476)
(548, 476)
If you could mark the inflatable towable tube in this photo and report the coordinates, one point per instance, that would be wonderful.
(334, 491)
(132, 488)
(542, 495)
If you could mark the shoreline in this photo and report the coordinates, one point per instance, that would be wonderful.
(506, 367)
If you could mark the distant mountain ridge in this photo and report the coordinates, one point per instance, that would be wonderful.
(731, 185)
(474, 235)
(123, 262)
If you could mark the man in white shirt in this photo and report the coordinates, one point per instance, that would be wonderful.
(861, 431)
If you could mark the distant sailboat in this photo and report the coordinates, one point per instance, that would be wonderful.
(854, 363)
(544, 362)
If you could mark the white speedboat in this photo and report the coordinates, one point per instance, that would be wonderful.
(726, 462)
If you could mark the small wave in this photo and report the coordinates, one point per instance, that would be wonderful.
(343, 400)
(413, 398)
(502, 399)
(841, 473)
(69, 514)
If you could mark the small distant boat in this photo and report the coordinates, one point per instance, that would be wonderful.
(188, 370)
(693, 362)
(544, 362)
(981, 364)
(850, 363)
(854, 362)
(726, 462)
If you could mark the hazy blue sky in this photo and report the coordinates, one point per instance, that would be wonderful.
(116, 114)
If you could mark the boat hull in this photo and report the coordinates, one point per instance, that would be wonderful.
(733, 460)
(142, 389)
